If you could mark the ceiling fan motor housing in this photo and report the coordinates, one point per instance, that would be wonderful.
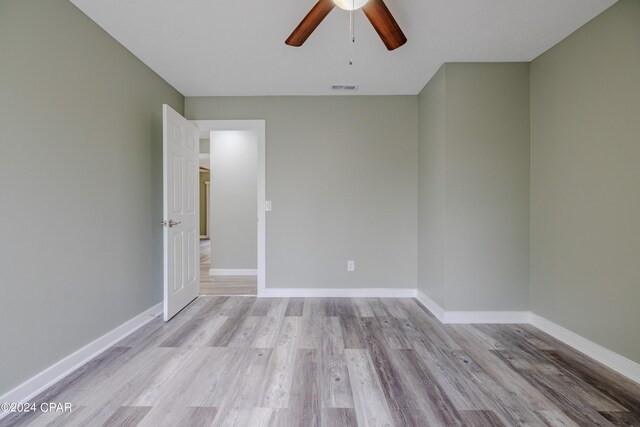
(350, 4)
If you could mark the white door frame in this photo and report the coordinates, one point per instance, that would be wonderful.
(259, 127)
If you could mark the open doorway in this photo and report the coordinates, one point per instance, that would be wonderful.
(205, 214)
(231, 197)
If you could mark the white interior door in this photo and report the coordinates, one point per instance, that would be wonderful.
(180, 212)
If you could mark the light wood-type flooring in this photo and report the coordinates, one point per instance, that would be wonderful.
(222, 285)
(243, 361)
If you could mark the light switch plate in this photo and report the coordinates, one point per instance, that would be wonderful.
(267, 205)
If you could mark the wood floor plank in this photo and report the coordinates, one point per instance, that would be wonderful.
(454, 377)
(165, 377)
(192, 327)
(511, 397)
(369, 399)
(166, 329)
(233, 417)
(295, 307)
(261, 306)
(334, 378)
(378, 307)
(141, 334)
(134, 375)
(361, 307)
(415, 310)
(191, 379)
(246, 333)
(237, 307)
(261, 417)
(215, 376)
(437, 332)
(525, 355)
(276, 388)
(353, 333)
(339, 417)
(243, 392)
(228, 331)
(396, 393)
(556, 418)
(622, 418)
(270, 324)
(344, 307)
(421, 389)
(393, 333)
(480, 419)
(38, 418)
(311, 324)
(197, 417)
(564, 397)
(205, 332)
(396, 308)
(605, 381)
(136, 381)
(305, 399)
(127, 416)
(80, 381)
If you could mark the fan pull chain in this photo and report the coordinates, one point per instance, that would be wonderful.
(352, 36)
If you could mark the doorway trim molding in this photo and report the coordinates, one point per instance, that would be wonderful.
(259, 127)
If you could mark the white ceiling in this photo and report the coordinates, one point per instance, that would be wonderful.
(233, 47)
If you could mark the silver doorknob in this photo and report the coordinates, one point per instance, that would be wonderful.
(173, 223)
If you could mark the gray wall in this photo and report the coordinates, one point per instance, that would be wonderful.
(234, 197)
(474, 187)
(431, 188)
(205, 146)
(487, 186)
(81, 174)
(585, 181)
(342, 175)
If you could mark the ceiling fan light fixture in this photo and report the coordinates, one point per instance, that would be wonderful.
(350, 4)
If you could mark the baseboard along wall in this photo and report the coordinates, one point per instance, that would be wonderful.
(339, 293)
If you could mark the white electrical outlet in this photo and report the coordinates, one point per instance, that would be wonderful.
(267, 205)
(351, 265)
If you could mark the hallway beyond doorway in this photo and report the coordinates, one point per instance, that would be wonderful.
(222, 285)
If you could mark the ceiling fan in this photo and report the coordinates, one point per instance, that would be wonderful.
(375, 10)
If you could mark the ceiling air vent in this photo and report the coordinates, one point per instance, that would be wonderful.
(344, 87)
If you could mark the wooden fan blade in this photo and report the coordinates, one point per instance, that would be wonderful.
(310, 22)
(384, 24)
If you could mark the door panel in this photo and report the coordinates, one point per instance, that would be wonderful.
(180, 212)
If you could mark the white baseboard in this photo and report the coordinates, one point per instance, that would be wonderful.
(618, 363)
(431, 305)
(45, 379)
(463, 317)
(233, 272)
(470, 317)
(339, 292)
